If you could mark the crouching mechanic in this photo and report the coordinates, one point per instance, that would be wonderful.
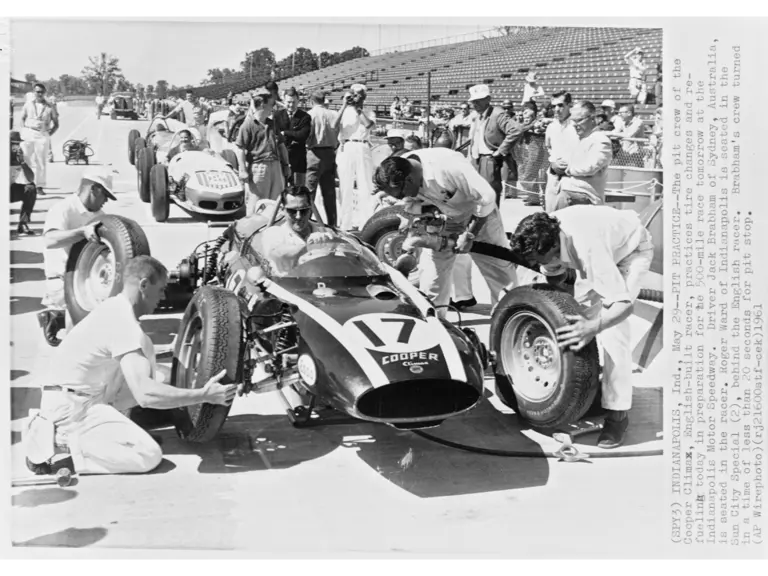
(612, 250)
(106, 366)
(445, 179)
(283, 243)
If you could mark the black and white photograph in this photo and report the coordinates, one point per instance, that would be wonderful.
(342, 289)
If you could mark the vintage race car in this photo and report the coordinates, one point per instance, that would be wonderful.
(120, 105)
(200, 181)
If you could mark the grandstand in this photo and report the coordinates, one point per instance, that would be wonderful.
(586, 61)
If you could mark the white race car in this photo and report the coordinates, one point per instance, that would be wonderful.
(199, 180)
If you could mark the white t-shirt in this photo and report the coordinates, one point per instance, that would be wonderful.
(530, 93)
(194, 114)
(352, 128)
(560, 139)
(593, 240)
(87, 360)
(280, 244)
(452, 184)
(68, 214)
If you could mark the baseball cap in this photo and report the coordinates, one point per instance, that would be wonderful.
(478, 92)
(608, 104)
(101, 177)
(15, 137)
(396, 133)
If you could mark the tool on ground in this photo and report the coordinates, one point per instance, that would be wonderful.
(63, 478)
(567, 452)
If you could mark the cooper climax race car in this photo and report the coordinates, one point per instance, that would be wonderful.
(200, 181)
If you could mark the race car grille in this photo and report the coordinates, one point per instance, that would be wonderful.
(217, 180)
(418, 399)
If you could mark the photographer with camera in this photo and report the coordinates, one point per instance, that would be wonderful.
(467, 203)
(355, 163)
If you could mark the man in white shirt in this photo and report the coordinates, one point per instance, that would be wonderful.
(106, 366)
(66, 223)
(612, 250)
(531, 90)
(99, 105)
(586, 169)
(196, 113)
(40, 121)
(637, 68)
(445, 179)
(353, 159)
(631, 129)
(560, 139)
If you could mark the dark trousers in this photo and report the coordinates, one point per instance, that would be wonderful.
(489, 167)
(27, 195)
(509, 175)
(321, 171)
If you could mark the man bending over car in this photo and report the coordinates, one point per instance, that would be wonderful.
(283, 243)
(104, 367)
(612, 250)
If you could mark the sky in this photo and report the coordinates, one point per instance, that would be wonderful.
(182, 52)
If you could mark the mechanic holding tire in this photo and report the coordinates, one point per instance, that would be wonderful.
(105, 367)
(445, 179)
(613, 250)
(68, 222)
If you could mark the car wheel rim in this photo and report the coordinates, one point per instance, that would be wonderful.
(390, 247)
(95, 279)
(189, 359)
(530, 356)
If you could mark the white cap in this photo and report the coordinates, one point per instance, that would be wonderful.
(102, 177)
(396, 133)
(358, 88)
(478, 92)
(608, 104)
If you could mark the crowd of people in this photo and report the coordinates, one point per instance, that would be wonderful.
(288, 154)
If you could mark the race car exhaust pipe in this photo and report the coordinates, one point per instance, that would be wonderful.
(415, 401)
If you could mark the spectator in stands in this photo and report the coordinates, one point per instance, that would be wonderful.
(413, 142)
(603, 123)
(637, 68)
(395, 110)
(510, 167)
(295, 135)
(321, 160)
(658, 91)
(587, 165)
(493, 134)
(461, 125)
(531, 155)
(407, 109)
(560, 139)
(631, 129)
(609, 109)
(531, 89)
(656, 141)
(355, 164)
(262, 158)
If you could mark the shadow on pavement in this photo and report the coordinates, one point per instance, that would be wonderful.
(26, 257)
(18, 374)
(25, 304)
(69, 538)
(33, 498)
(26, 275)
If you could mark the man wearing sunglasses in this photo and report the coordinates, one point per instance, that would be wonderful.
(283, 243)
(40, 121)
(66, 223)
(586, 170)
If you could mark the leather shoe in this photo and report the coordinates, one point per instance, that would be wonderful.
(51, 321)
(23, 228)
(463, 304)
(614, 429)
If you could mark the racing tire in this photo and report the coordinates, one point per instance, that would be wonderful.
(547, 387)
(94, 270)
(133, 135)
(210, 340)
(158, 184)
(138, 144)
(144, 162)
(231, 158)
(382, 232)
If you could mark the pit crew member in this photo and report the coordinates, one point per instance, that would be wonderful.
(40, 121)
(106, 366)
(612, 250)
(196, 113)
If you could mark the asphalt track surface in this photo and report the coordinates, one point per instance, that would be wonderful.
(352, 490)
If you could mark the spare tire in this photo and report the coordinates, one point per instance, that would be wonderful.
(94, 270)
(210, 340)
(382, 232)
(546, 386)
(132, 136)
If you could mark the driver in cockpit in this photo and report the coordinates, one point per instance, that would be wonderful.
(283, 243)
(186, 142)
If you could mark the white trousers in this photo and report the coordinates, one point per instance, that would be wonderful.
(35, 148)
(616, 341)
(100, 436)
(438, 266)
(355, 166)
(462, 278)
